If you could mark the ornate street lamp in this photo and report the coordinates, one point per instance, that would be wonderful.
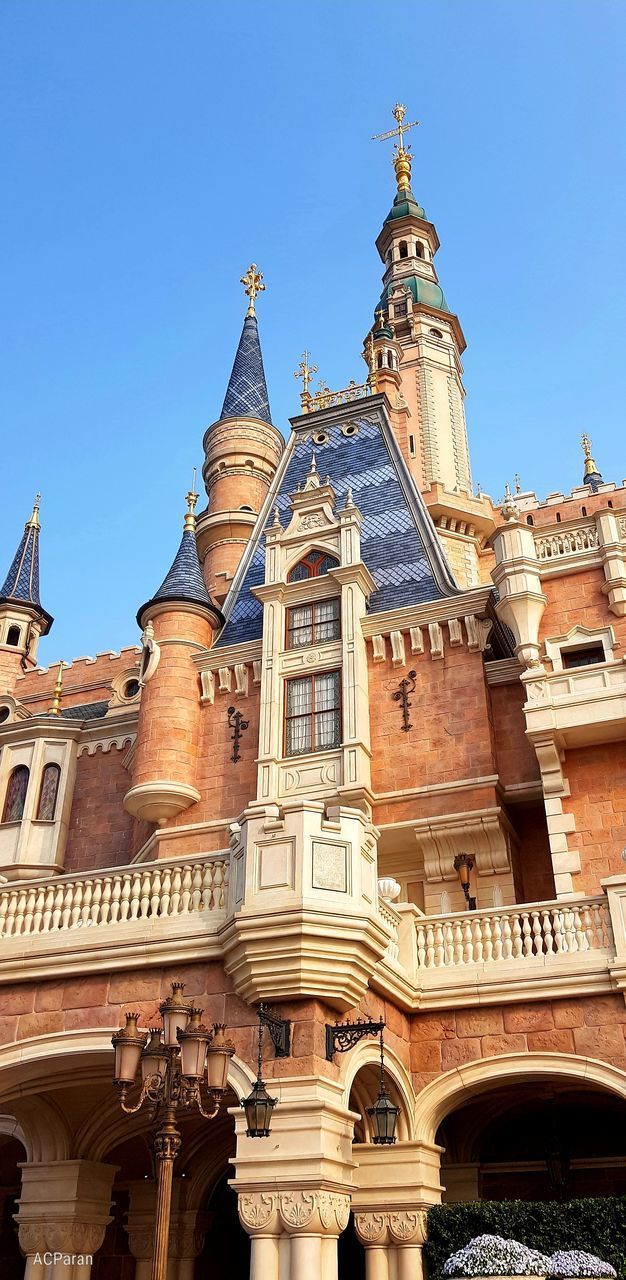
(463, 864)
(177, 1060)
(384, 1114)
(258, 1106)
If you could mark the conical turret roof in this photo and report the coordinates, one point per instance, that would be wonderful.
(184, 581)
(21, 585)
(246, 395)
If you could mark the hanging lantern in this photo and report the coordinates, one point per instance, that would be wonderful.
(175, 1014)
(259, 1106)
(128, 1043)
(193, 1041)
(219, 1054)
(154, 1056)
(384, 1114)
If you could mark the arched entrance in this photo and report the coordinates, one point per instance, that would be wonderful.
(12, 1153)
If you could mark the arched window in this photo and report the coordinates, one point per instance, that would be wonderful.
(390, 359)
(50, 779)
(419, 249)
(13, 635)
(609, 503)
(529, 520)
(15, 798)
(404, 249)
(380, 359)
(558, 517)
(312, 566)
(583, 511)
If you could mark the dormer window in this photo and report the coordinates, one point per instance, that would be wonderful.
(313, 624)
(315, 565)
(15, 798)
(313, 714)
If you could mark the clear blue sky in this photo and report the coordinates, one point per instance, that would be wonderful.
(152, 148)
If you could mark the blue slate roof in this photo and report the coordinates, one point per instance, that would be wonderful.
(86, 711)
(184, 580)
(22, 581)
(246, 395)
(398, 540)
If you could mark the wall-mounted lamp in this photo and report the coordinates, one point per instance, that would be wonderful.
(258, 1106)
(463, 864)
(384, 1115)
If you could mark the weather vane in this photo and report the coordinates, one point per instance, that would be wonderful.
(402, 156)
(305, 370)
(253, 284)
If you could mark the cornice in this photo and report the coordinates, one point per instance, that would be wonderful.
(466, 603)
(228, 655)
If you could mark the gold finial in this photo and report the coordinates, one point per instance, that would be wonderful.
(509, 508)
(305, 370)
(191, 499)
(591, 467)
(55, 709)
(253, 284)
(380, 315)
(402, 154)
(518, 483)
(34, 520)
(371, 362)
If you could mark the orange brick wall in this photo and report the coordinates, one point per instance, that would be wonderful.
(167, 733)
(597, 779)
(534, 877)
(577, 599)
(101, 832)
(86, 680)
(515, 756)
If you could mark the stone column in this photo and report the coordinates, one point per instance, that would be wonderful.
(373, 1232)
(63, 1214)
(258, 1214)
(393, 1243)
(294, 1233)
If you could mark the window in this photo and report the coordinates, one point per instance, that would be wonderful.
(582, 657)
(16, 794)
(404, 249)
(419, 249)
(247, 509)
(412, 446)
(313, 717)
(4, 714)
(401, 308)
(313, 624)
(131, 689)
(13, 635)
(529, 520)
(49, 790)
(583, 511)
(435, 333)
(312, 566)
(558, 517)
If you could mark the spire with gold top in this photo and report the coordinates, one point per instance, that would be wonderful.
(246, 394)
(591, 474)
(184, 582)
(20, 589)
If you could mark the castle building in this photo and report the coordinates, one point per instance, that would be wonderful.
(367, 762)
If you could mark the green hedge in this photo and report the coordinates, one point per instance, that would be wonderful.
(597, 1226)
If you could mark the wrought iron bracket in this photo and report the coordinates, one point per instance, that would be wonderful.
(344, 1035)
(406, 686)
(279, 1031)
(237, 723)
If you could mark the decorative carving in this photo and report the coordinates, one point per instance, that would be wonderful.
(407, 1225)
(256, 671)
(150, 656)
(397, 649)
(436, 640)
(370, 1227)
(256, 1210)
(315, 520)
(406, 687)
(241, 679)
(225, 677)
(343, 1036)
(378, 648)
(454, 629)
(417, 640)
(237, 724)
(297, 1208)
(207, 684)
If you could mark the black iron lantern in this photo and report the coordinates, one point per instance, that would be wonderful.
(259, 1106)
(384, 1114)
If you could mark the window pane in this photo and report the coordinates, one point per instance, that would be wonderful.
(327, 620)
(48, 795)
(326, 730)
(300, 572)
(16, 795)
(299, 697)
(300, 626)
(327, 691)
(298, 735)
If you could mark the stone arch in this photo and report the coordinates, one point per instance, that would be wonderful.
(40, 1127)
(457, 1086)
(366, 1054)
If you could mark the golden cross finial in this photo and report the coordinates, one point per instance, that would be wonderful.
(518, 483)
(34, 520)
(402, 156)
(253, 284)
(380, 315)
(305, 370)
(591, 466)
(191, 499)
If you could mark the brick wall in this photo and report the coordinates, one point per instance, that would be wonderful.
(515, 755)
(101, 833)
(597, 779)
(577, 599)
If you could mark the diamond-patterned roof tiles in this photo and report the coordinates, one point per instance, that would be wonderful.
(22, 580)
(246, 395)
(398, 541)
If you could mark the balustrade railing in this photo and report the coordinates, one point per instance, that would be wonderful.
(552, 546)
(392, 921)
(114, 897)
(526, 933)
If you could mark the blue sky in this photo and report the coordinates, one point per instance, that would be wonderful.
(153, 148)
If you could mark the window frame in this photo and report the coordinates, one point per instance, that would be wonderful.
(312, 561)
(315, 623)
(50, 764)
(6, 821)
(338, 709)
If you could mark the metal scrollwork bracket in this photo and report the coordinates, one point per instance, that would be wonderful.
(237, 723)
(344, 1035)
(279, 1031)
(406, 687)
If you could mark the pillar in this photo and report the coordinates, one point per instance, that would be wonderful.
(294, 1233)
(188, 1228)
(393, 1243)
(63, 1214)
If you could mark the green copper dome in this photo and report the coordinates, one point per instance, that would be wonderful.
(424, 291)
(405, 206)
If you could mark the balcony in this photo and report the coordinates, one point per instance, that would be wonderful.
(579, 707)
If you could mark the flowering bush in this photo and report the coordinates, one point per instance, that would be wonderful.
(573, 1262)
(495, 1256)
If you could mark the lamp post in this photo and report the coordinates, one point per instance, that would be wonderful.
(176, 1059)
(463, 864)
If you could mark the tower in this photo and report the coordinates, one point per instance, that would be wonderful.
(242, 450)
(22, 618)
(431, 429)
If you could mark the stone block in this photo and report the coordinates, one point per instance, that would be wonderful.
(85, 992)
(455, 1052)
(492, 1046)
(528, 1017)
(561, 1041)
(479, 1022)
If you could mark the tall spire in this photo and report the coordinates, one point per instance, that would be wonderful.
(184, 582)
(405, 202)
(591, 475)
(21, 585)
(246, 395)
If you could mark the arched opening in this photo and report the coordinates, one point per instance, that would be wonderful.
(15, 798)
(12, 1154)
(315, 565)
(50, 779)
(555, 1139)
(558, 517)
(390, 359)
(583, 511)
(529, 520)
(404, 249)
(380, 359)
(13, 636)
(419, 249)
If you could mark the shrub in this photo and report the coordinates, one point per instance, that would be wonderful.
(494, 1256)
(573, 1262)
(595, 1225)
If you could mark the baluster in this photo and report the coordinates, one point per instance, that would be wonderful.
(605, 929)
(507, 943)
(516, 938)
(570, 936)
(537, 934)
(217, 880)
(67, 906)
(129, 896)
(196, 887)
(548, 939)
(19, 912)
(176, 884)
(96, 904)
(457, 930)
(116, 894)
(477, 939)
(487, 942)
(498, 940)
(77, 898)
(30, 911)
(436, 950)
(559, 933)
(421, 946)
(186, 891)
(166, 887)
(207, 887)
(107, 900)
(155, 897)
(144, 900)
(527, 939)
(448, 943)
(582, 942)
(58, 907)
(39, 908)
(87, 897)
(4, 911)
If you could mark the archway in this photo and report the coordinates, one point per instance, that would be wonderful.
(12, 1153)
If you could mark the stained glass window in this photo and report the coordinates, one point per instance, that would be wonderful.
(16, 794)
(49, 791)
(313, 719)
(312, 566)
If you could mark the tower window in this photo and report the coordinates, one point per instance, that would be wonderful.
(314, 565)
(15, 798)
(49, 791)
(380, 359)
(313, 624)
(404, 249)
(435, 333)
(558, 517)
(582, 657)
(313, 714)
(609, 503)
(412, 446)
(583, 511)
(131, 689)
(529, 520)
(401, 308)
(419, 249)
(13, 635)
(390, 359)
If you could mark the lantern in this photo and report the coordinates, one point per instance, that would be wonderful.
(193, 1041)
(259, 1106)
(219, 1054)
(175, 1014)
(384, 1114)
(154, 1056)
(128, 1043)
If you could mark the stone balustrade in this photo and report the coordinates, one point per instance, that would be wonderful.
(553, 546)
(516, 934)
(391, 918)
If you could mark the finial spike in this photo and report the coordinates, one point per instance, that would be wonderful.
(191, 499)
(305, 370)
(402, 154)
(276, 520)
(253, 284)
(34, 519)
(55, 709)
(591, 466)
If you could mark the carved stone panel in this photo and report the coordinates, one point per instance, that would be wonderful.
(330, 866)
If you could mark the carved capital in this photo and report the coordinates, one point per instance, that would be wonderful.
(407, 1226)
(258, 1213)
(371, 1228)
